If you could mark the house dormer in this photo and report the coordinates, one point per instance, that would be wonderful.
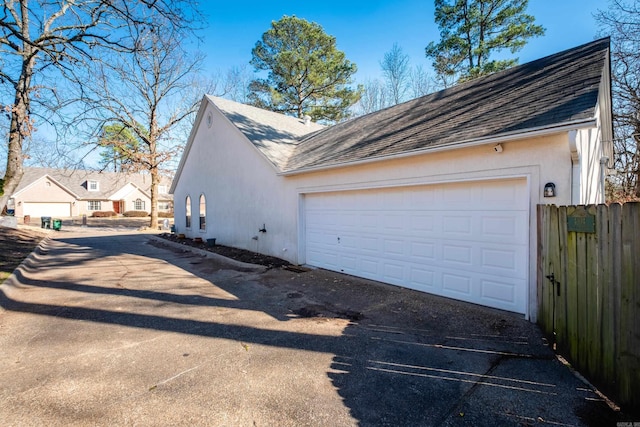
(93, 185)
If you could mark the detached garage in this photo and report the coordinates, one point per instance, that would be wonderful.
(438, 194)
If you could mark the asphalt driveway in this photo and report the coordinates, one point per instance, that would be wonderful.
(121, 328)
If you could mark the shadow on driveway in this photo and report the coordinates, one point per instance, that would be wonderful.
(398, 357)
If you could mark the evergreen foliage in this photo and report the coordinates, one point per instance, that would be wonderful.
(471, 31)
(307, 74)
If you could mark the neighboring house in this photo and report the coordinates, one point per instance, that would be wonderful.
(437, 194)
(72, 193)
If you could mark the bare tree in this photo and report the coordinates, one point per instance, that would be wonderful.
(148, 93)
(622, 21)
(401, 82)
(236, 84)
(373, 98)
(420, 83)
(396, 71)
(43, 43)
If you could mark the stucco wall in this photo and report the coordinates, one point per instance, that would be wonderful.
(42, 191)
(129, 201)
(241, 189)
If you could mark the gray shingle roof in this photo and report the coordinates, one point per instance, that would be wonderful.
(274, 134)
(555, 90)
(75, 181)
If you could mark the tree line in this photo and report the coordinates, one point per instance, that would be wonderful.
(121, 76)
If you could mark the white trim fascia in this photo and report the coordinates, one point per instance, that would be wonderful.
(187, 148)
(62, 187)
(530, 133)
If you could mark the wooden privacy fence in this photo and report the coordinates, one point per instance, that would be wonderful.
(589, 292)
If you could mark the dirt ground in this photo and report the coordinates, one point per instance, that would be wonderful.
(15, 246)
(233, 253)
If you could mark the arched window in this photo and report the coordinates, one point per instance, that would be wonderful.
(203, 212)
(187, 210)
(138, 205)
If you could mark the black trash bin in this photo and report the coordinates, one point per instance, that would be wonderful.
(45, 222)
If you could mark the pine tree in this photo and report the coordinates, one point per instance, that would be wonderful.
(308, 75)
(472, 30)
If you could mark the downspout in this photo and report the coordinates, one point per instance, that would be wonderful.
(575, 167)
(604, 161)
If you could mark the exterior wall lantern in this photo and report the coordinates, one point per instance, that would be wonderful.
(549, 189)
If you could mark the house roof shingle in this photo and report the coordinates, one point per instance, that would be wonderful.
(552, 91)
(74, 180)
(274, 134)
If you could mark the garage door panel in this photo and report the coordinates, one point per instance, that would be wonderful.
(503, 261)
(502, 228)
(318, 237)
(504, 197)
(370, 245)
(393, 222)
(368, 221)
(427, 238)
(456, 226)
(331, 261)
(422, 223)
(421, 279)
(422, 251)
(51, 209)
(459, 255)
(394, 247)
(457, 286)
(501, 292)
(394, 272)
(369, 266)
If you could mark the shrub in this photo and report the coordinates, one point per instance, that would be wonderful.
(165, 214)
(134, 214)
(103, 214)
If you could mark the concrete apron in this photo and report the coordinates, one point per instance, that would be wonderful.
(108, 328)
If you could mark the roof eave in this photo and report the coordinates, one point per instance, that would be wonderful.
(495, 139)
(196, 124)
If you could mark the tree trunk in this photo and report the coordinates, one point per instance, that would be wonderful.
(19, 129)
(155, 180)
(14, 170)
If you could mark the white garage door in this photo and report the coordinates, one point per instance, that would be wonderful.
(47, 209)
(467, 241)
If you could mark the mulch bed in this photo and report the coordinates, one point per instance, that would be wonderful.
(241, 255)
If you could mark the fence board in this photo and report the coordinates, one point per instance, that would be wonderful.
(560, 252)
(593, 306)
(572, 346)
(595, 320)
(607, 313)
(635, 307)
(545, 307)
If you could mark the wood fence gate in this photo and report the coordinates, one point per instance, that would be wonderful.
(589, 292)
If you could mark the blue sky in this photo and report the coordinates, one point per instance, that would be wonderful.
(365, 30)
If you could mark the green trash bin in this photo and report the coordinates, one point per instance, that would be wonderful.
(57, 224)
(45, 222)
